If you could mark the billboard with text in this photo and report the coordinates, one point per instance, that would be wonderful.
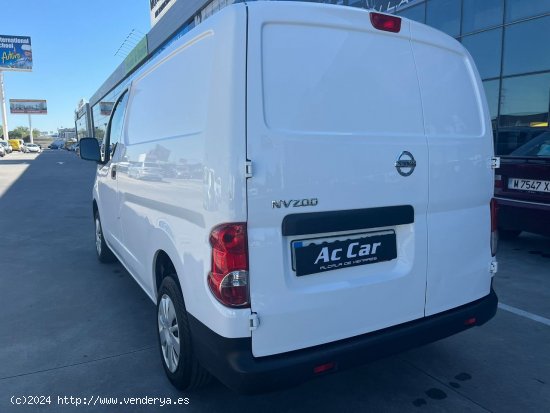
(15, 53)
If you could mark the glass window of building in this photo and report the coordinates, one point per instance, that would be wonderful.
(491, 91)
(485, 48)
(417, 13)
(527, 46)
(444, 15)
(525, 101)
(477, 15)
(82, 127)
(519, 9)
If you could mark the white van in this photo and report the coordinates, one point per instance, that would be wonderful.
(341, 211)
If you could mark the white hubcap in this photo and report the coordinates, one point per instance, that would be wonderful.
(169, 333)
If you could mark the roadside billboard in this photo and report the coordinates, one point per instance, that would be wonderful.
(15, 53)
(28, 106)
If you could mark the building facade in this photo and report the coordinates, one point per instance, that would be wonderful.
(510, 43)
(508, 39)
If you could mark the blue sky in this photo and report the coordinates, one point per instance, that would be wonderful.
(73, 45)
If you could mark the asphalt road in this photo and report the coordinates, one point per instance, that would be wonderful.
(70, 326)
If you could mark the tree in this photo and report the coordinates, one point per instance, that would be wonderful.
(21, 132)
(99, 133)
(36, 133)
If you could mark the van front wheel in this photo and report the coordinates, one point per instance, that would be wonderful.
(179, 362)
(104, 254)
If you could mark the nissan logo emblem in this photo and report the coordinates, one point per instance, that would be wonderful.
(405, 164)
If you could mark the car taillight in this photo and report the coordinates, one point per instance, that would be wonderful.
(494, 226)
(498, 182)
(228, 278)
(386, 23)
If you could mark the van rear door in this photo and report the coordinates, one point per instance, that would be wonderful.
(461, 180)
(337, 232)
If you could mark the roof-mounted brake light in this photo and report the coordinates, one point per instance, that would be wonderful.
(385, 22)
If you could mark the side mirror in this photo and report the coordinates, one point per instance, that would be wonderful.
(89, 150)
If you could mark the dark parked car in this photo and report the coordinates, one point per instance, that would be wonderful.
(522, 183)
(56, 145)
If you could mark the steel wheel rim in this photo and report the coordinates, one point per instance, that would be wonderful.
(98, 236)
(169, 333)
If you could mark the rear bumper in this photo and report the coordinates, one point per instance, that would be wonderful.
(231, 360)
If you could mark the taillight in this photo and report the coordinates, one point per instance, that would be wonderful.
(470, 321)
(494, 226)
(323, 368)
(228, 278)
(498, 182)
(386, 23)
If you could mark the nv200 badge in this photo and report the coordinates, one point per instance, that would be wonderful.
(294, 203)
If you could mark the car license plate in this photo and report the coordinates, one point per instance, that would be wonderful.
(529, 185)
(326, 254)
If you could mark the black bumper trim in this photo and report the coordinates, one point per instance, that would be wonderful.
(231, 360)
(347, 220)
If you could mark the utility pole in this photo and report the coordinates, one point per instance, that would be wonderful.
(30, 128)
(4, 113)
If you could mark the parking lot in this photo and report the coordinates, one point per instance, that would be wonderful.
(70, 326)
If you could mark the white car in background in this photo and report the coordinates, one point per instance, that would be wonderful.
(33, 147)
(6, 146)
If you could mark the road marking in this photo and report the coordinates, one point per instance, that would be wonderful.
(60, 163)
(525, 314)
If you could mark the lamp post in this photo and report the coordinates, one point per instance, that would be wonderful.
(3, 104)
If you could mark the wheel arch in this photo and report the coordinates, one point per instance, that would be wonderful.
(163, 265)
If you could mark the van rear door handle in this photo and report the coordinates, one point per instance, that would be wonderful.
(113, 172)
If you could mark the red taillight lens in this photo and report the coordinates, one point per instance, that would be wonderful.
(498, 182)
(323, 368)
(494, 226)
(228, 278)
(386, 23)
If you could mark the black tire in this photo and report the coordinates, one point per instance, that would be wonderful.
(187, 372)
(104, 253)
(508, 234)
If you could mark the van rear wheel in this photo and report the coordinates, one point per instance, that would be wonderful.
(176, 350)
(104, 253)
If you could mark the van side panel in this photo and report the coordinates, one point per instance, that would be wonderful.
(182, 172)
(460, 145)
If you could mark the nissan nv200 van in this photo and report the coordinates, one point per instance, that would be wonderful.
(344, 209)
